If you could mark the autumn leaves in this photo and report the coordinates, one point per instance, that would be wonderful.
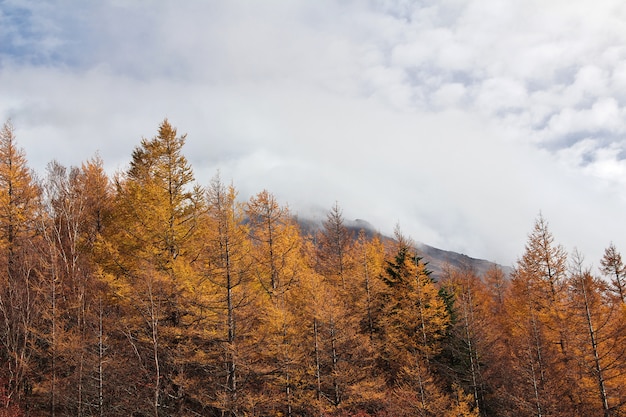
(149, 294)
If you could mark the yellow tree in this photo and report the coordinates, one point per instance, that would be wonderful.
(369, 255)
(276, 250)
(96, 189)
(339, 326)
(19, 309)
(540, 317)
(151, 247)
(227, 266)
(276, 243)
(341, 339)
(600, 342)
(334, 244)
(365, 385)
(497, 284)
(330, 363)
(320, 311)
(613, 267)
(528, 349)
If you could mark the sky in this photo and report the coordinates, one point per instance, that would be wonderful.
(461, 121)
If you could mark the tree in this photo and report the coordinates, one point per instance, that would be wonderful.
(227, 266)
(334, 247)
(613, 267)
(151, 247)
(276, 250)
(599, 342)
(19, 302)
(541, 322)
(276, 243)
(64, 287)
(412, 321)
(468, 339)
(497, 283)
(92, 188)
(369, 257)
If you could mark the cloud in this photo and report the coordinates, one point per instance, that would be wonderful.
(459, 119)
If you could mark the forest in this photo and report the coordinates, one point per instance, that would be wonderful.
(144, 293)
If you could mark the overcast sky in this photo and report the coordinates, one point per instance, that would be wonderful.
(460, 120)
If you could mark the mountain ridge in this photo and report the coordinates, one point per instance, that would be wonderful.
(437, 259)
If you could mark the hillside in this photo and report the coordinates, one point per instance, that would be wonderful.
(436, 258)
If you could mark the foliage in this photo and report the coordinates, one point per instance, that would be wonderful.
(144, 293)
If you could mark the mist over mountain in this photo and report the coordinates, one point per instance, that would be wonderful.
(437, 259)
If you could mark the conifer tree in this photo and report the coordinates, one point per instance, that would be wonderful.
(151, 247)
(613, 267)
(412, 323)
(466, 343)
(540, 314)
(276, 249)
(599, 343)
(20, 306)
(227, 266)
(334, 248)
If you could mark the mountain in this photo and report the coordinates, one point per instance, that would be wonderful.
(437, 259)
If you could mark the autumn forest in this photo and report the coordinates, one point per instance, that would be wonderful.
(145, 293)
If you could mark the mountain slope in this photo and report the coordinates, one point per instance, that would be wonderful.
(437, 259)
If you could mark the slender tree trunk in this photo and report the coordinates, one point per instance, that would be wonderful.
(54, 354)
(154, 327)
(368, 293)
(100, 361)
(231, 375)
(82, 324)
(468, 340)
(422, 321)
(596, 355)
(420, 380)
(335, 362)
(317, 364)
(286, 360)
(535, 384)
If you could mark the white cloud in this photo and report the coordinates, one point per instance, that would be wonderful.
(449, 95)
(459, 119)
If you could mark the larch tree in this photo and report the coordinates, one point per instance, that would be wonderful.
(276, 243)
(337, 328)
(366, 384)
(613, 267)
(497, 285)
(538, 310)
(19, 302)
(334, 248)
(156, 216)
(227, 265)
(96, 188)
(276, 250)
(599, 343)
(497, 363)
(369, 255)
